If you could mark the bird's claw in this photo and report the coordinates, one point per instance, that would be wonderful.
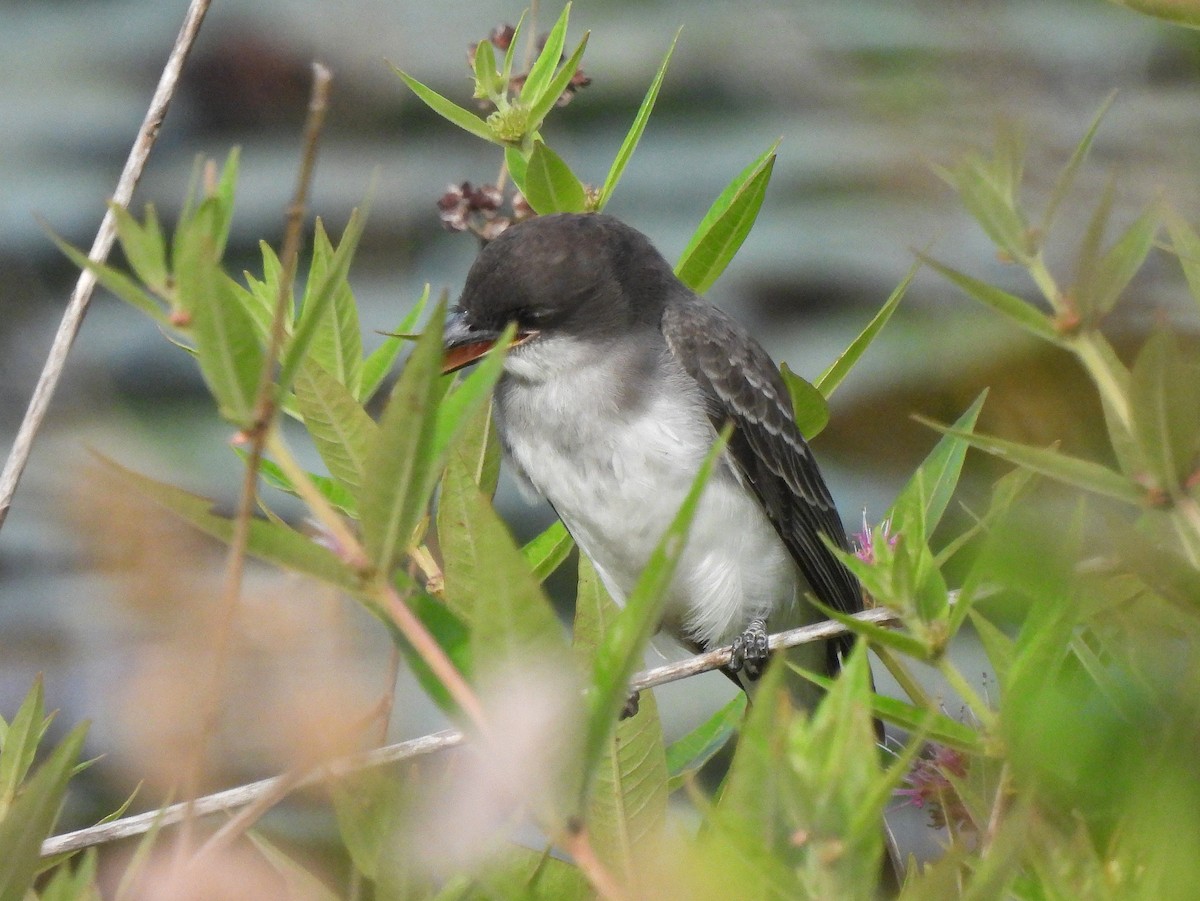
(749, 650)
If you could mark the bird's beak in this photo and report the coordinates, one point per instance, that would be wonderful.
(463, 343)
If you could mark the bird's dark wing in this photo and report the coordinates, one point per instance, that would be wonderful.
(742, 386)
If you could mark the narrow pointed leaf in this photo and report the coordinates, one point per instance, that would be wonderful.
(517, 165)
(541, 107)
(20, 743)
(687, 754)
(828, 381)
(489, 586)
(448, 110)
(808, 404)
(269, 541)
(1063, 185)
(1058, 466)
(725, 226)
(510, 53)
(143, 245)
(332, 490)
(1165, 399)
(298, 881)
(941, 468)
(549, 550)
(115, 281)
(1014, 308)
(1186, 244)
(340, 428)
(380, 361)
(336, 341)
(32, 816)
(547, 61)
(1120, 263)
(618, 656)
(315, 313)
(627, 806)
(634, 135)
(398, 480)
(550, 185)
(224, 200)
(487, 79)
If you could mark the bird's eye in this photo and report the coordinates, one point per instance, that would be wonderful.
(533, 316)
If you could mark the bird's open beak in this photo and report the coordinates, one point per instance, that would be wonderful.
(463, 344)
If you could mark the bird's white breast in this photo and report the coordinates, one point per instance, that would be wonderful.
(616, 462)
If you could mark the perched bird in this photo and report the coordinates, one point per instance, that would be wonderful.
(618, 382)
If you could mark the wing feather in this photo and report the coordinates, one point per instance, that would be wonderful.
(742, 385)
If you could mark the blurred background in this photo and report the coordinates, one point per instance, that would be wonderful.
(111, 600)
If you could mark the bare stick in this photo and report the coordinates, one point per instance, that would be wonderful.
(72, 319)
(264, 415)
(234, 798)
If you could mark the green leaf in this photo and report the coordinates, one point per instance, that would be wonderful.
(115, 281)
(548, 550)
(1165, 400)
(510, 53)
(268, 541)
(487, 79)
(401, 468)
(1070, 470)
(1186, 244)
(828, 381)
(461, 404)
(451, 634)
(340, 428)
(1087, 268)
(986, 191)
(78, 884)
(372, 807)
(143, 245)
(449, 111)
(627, 806)
(223, 195)
(1116, 269)
(489, 586)
(379, 362)
(1185, 13)
(1019, 311)
(550, 185)
(227, 348)
(687, 754)
(808, 404)
(874, 634)
(931, 724)
(1063, 185)
(344, 343)
(538, 80)
(725, 225)
(32, 815)
(622, 649)
(332, 490)
(19, 746)
(538, 109)
(337, 339)
(634, 135)
(939, 472)
(517, 166)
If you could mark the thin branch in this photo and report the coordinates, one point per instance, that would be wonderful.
(264, 415)
(72, 319)
(234, 798)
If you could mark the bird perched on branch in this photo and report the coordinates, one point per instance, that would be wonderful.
(616, 386)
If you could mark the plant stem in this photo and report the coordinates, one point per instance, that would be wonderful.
(904, 678)
(72, 319)
(1087, 349)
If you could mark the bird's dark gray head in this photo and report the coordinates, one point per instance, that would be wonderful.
(586, 275)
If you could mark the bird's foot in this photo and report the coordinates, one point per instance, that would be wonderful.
(632, 702)
(749, 651)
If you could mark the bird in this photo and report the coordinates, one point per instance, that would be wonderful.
(613, 391)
